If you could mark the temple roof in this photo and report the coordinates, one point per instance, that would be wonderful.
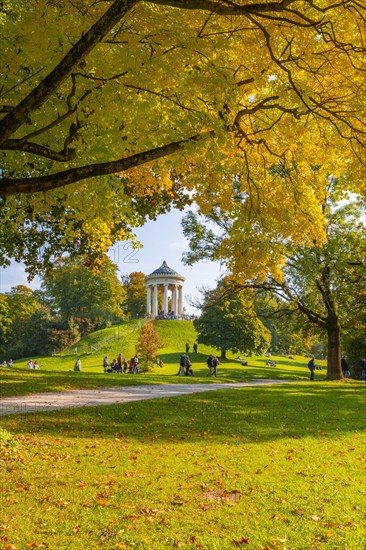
(164, 270)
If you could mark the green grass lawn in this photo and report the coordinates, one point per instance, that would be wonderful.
(56, 371)
(280, 467)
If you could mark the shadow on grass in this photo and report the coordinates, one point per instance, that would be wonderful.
(240, 415)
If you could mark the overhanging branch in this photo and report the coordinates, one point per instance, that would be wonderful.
(13, 186)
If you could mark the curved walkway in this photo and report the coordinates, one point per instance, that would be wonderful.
(51, 401)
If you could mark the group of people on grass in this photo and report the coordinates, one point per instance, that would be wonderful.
(121, 365)
(185, 365)
(7, 363)
(33, 364)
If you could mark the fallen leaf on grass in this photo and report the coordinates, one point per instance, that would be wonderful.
(240, 542)
(177, 501)
(76, 529)
(315, 518)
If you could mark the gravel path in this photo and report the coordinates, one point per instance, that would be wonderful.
(110, 396)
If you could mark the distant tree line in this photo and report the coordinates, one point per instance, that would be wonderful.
(73, 301)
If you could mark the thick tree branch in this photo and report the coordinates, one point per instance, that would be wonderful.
(10, 186)
(39, 150)
(225, 8)
(13, 120)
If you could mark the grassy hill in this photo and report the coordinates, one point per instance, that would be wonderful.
(56, 371)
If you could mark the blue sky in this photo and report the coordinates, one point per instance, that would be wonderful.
(162, 239)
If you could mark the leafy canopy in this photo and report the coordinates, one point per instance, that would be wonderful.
(113, 111)
(229, 321)
(74, 290)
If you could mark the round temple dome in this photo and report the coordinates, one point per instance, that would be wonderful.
(165, 271)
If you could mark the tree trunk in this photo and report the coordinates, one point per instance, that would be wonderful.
(223, 354)
(334, 371)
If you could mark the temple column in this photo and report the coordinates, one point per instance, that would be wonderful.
(155, 301)
(148, 300)
(180, 300)
(165, 299)
(174, 300)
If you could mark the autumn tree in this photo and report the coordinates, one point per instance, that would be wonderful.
(135, 287)
(112, 111)
(324, 285)
(75, 291)
(148, 345)
(229, 322)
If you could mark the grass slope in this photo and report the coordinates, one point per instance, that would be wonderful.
(56, 372)
(270, 468)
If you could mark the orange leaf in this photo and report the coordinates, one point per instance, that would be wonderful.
(240, 542)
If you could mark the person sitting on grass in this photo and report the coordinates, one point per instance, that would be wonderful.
(188, 368)
(113, 366)
(125, 365)
(36, 365)
(30, 364)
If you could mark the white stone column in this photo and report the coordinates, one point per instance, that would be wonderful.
(180, 300)
(174, 300)
(165, 298)
(148, 300)
(155, 301)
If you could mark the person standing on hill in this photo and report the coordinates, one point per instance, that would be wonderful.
(311, 367)
(363, 368)
(105, 363)
(187, 347)
(119, 363)
(77, 366)
(345, 367)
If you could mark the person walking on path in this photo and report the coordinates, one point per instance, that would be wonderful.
(187, 347)
(311, 367)
(182, 364)
(195, 347)
(215, 364)
(209, 363)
